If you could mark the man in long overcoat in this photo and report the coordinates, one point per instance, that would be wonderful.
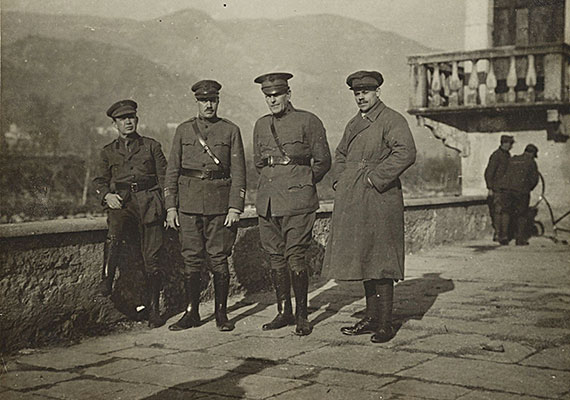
(204, 195)
(292, 155)
(366, 241)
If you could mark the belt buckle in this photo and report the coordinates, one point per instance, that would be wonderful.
(270, 161)
(286, 160)
(207, 174)
(134, 187)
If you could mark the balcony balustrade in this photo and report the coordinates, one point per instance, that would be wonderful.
(497, 79)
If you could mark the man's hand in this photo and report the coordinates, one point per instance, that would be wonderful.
(232, 217)
(490, 193)
(172, 219)
(114, 201)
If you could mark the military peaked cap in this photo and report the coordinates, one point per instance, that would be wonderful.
(364, 80)
(507, 139)
(531, 148)
(206, 89)
(274, 82)
(122, 107)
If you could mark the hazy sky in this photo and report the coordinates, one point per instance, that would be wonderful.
(435, 23)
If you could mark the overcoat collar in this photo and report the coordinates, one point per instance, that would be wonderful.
(362, 121)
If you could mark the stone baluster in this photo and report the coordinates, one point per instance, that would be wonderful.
(472, 85)
(483, 66)
(530, 80)
(435, 87)
(491, 84)
(454, 85)
(445, 84)
(421, 86)
(512, 81)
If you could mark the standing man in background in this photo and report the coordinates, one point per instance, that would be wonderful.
(496, 168)
(366, 240)
(292, 155)
(514, 187)
(204, 194)
(129, 178)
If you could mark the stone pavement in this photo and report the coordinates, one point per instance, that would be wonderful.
(476, 321)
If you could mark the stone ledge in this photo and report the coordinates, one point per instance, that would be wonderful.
(75, 225)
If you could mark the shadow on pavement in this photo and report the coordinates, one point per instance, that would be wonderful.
(483, 249)
(413, 298)
(225, 385)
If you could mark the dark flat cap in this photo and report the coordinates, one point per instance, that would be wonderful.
(364, 80)
(531, 148)
(206, 89)
(122, 107)
(274, 82)
(507, 139)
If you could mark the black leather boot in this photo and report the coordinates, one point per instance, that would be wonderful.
(110, 261)
(191, 317)
(221, 290)
(385, 299)
(155, 284)
(301, 288)
(368, 324)
(282, 284)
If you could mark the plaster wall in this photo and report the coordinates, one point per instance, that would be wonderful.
(552, 163)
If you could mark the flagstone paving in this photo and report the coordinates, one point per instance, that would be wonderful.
(475, 321)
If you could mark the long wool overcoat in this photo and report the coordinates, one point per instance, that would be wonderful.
(367, 233)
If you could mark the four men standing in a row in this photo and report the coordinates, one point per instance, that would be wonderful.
(204, 193)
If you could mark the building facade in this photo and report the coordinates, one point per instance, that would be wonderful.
(512, 78)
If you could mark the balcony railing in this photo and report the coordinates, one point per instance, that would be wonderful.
(502, 77)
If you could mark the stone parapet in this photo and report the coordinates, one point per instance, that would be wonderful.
(49, 270)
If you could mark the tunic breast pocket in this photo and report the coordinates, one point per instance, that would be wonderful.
(222, 151)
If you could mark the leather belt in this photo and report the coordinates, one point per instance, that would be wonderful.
(198, 173)
(285, 160)
(136, 186)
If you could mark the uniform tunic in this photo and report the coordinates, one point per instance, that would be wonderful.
(204, 203)
(142, 163)
(287, 197)
(367, 231)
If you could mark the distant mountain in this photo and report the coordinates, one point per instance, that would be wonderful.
(168, 54)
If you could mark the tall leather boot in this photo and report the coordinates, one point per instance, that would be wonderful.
(282, 284)
(221, 290)
(155, 284)
(385, 300)
(110, 260)
(301, 288)
(369, 323)
(191, 317)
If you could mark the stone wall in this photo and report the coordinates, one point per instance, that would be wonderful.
(49, 271)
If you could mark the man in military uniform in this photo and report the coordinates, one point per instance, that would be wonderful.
(520, 178)
(204, 194)
(496, 168)
(292, 155)
(366, 240)
(129, 178)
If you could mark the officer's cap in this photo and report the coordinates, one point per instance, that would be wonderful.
(122, 107)
(531, 148)
(274, 82)
(206, 89)
(362, 80)
(507, 139)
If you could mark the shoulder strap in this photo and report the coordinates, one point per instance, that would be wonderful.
(204, 144)
(276, 138)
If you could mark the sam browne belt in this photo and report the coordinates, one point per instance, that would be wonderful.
(198, 173)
